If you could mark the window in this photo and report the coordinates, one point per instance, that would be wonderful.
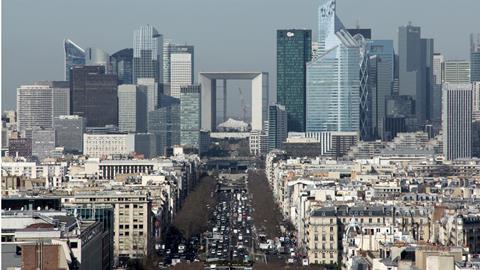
(73, 244)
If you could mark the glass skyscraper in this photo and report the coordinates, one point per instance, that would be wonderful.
(164, 123)
(333, 77)
(190, 116)
(122, 65)
(416, 70)
(381, 76)
(294, 50)
(147, 54)
(277, 126)
(475, 57)
(74, 55)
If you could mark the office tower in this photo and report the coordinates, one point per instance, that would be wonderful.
(334, 78)
(476, 101)
(294, 50)
(457, 120)
(164, 124)
(381, 77)
(167, 44)
(43, 142)
(475, 57)
(93, 95)
(456, 71)
(181, 68)
(416, 70)
(147, 54)
(122, 65)
(97, 57)
(151, 92)
(74, 55)
(438, 67)
(277, 126)
(132, 108)
(190, 118)
(365, 32)
(38, 104)
(69, 131)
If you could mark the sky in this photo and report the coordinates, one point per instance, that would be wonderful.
(228, 35)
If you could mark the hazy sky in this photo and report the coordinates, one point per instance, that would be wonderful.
(228, 35)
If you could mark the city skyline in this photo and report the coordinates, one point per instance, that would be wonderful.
(32, 56)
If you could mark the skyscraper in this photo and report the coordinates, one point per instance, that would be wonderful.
(294, 50)
(97, 57)
(277, 126)
(132, 108)
(456, 71)
(457, 120)
(164, 124)
(190, 118)
(438, 67)
(122, 65)
(475, 57)
(38, 104)
(333, 78)
(151, 88)
(416, 70)
(147, 54)
(69, 131)
(381, 75)
(181, 68)
(93, 95)
(74, 55)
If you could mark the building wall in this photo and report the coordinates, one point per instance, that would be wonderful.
(100, 145)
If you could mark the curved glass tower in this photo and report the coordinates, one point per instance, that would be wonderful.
(74, 55)
(333, 77)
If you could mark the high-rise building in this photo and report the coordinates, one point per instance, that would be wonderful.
(438, 67)
(167, 44)
(381, 77)
(21, 147)
(294, 50)
(416, 70)
(147, 54)
(74, 55)
(365, 32)
(151, 92)
(93, 95)
(43, 142)
(97, 57)
(457, 120)
(277, 126)
(190, 118)
(69, 131)
(38, 104)
(456, 71)
(164, 124)
(336, 77)
(132, 108)
(181, 68)
(475, 57)
(122, 65)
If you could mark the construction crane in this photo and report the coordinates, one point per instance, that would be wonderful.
(242, 104)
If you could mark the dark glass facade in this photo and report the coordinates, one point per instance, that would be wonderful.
(122, 65)
(93, 95)
(475, 66)
(294, 50)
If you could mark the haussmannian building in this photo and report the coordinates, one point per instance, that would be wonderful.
(294, 50)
